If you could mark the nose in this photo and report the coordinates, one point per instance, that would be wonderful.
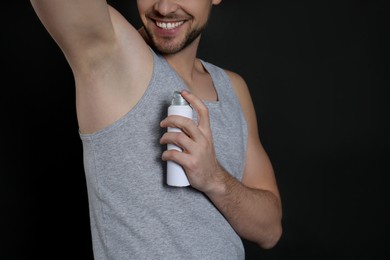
(165, 7)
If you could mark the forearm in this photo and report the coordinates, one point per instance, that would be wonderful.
(253, 213)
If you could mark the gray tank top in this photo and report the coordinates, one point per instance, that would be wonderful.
(133, 213)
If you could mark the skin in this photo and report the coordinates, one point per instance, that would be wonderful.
(112, 66)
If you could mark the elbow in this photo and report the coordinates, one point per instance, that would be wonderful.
(272, 238)
(272, 232)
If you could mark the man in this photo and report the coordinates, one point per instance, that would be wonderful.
(124, 82)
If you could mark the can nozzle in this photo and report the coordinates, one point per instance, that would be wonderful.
(178, 100)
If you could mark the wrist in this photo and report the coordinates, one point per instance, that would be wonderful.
(222, 183)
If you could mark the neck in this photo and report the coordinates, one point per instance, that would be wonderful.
(185, 62)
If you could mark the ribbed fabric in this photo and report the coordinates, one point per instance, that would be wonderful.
(133, 213)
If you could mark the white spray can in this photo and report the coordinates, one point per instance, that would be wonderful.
(176, 175)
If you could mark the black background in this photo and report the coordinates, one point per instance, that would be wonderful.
(318, 74)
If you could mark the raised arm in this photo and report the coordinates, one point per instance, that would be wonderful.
(111, 62)
(77, 26)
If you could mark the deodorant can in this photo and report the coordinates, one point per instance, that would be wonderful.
(176, 175)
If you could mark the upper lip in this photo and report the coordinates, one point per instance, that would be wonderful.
(166, 19)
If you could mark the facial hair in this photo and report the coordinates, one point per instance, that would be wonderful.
(167, 46)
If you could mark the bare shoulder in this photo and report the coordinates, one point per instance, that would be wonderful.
(241, 89)
(237, 80)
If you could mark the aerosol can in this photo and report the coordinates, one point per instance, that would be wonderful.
(176, 175)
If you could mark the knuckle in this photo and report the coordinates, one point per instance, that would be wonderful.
(182, 121)
(174, 155)
(205, 145)
(187, 121)
(192, 164)
(180, 138)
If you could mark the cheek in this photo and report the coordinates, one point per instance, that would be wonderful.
(202, 19)
(203, 13)
(143, 8)
(144, 5)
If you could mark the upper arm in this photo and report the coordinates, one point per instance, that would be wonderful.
(258, 171)
(75, 25)
(110, 61)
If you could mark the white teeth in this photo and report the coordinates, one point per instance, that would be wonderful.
(169, 26)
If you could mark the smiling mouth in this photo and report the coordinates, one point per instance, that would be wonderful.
(168, 25)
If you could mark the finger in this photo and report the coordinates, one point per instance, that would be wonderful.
(185, 124)
(176, 156)
(201, 109)
(179, 139)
